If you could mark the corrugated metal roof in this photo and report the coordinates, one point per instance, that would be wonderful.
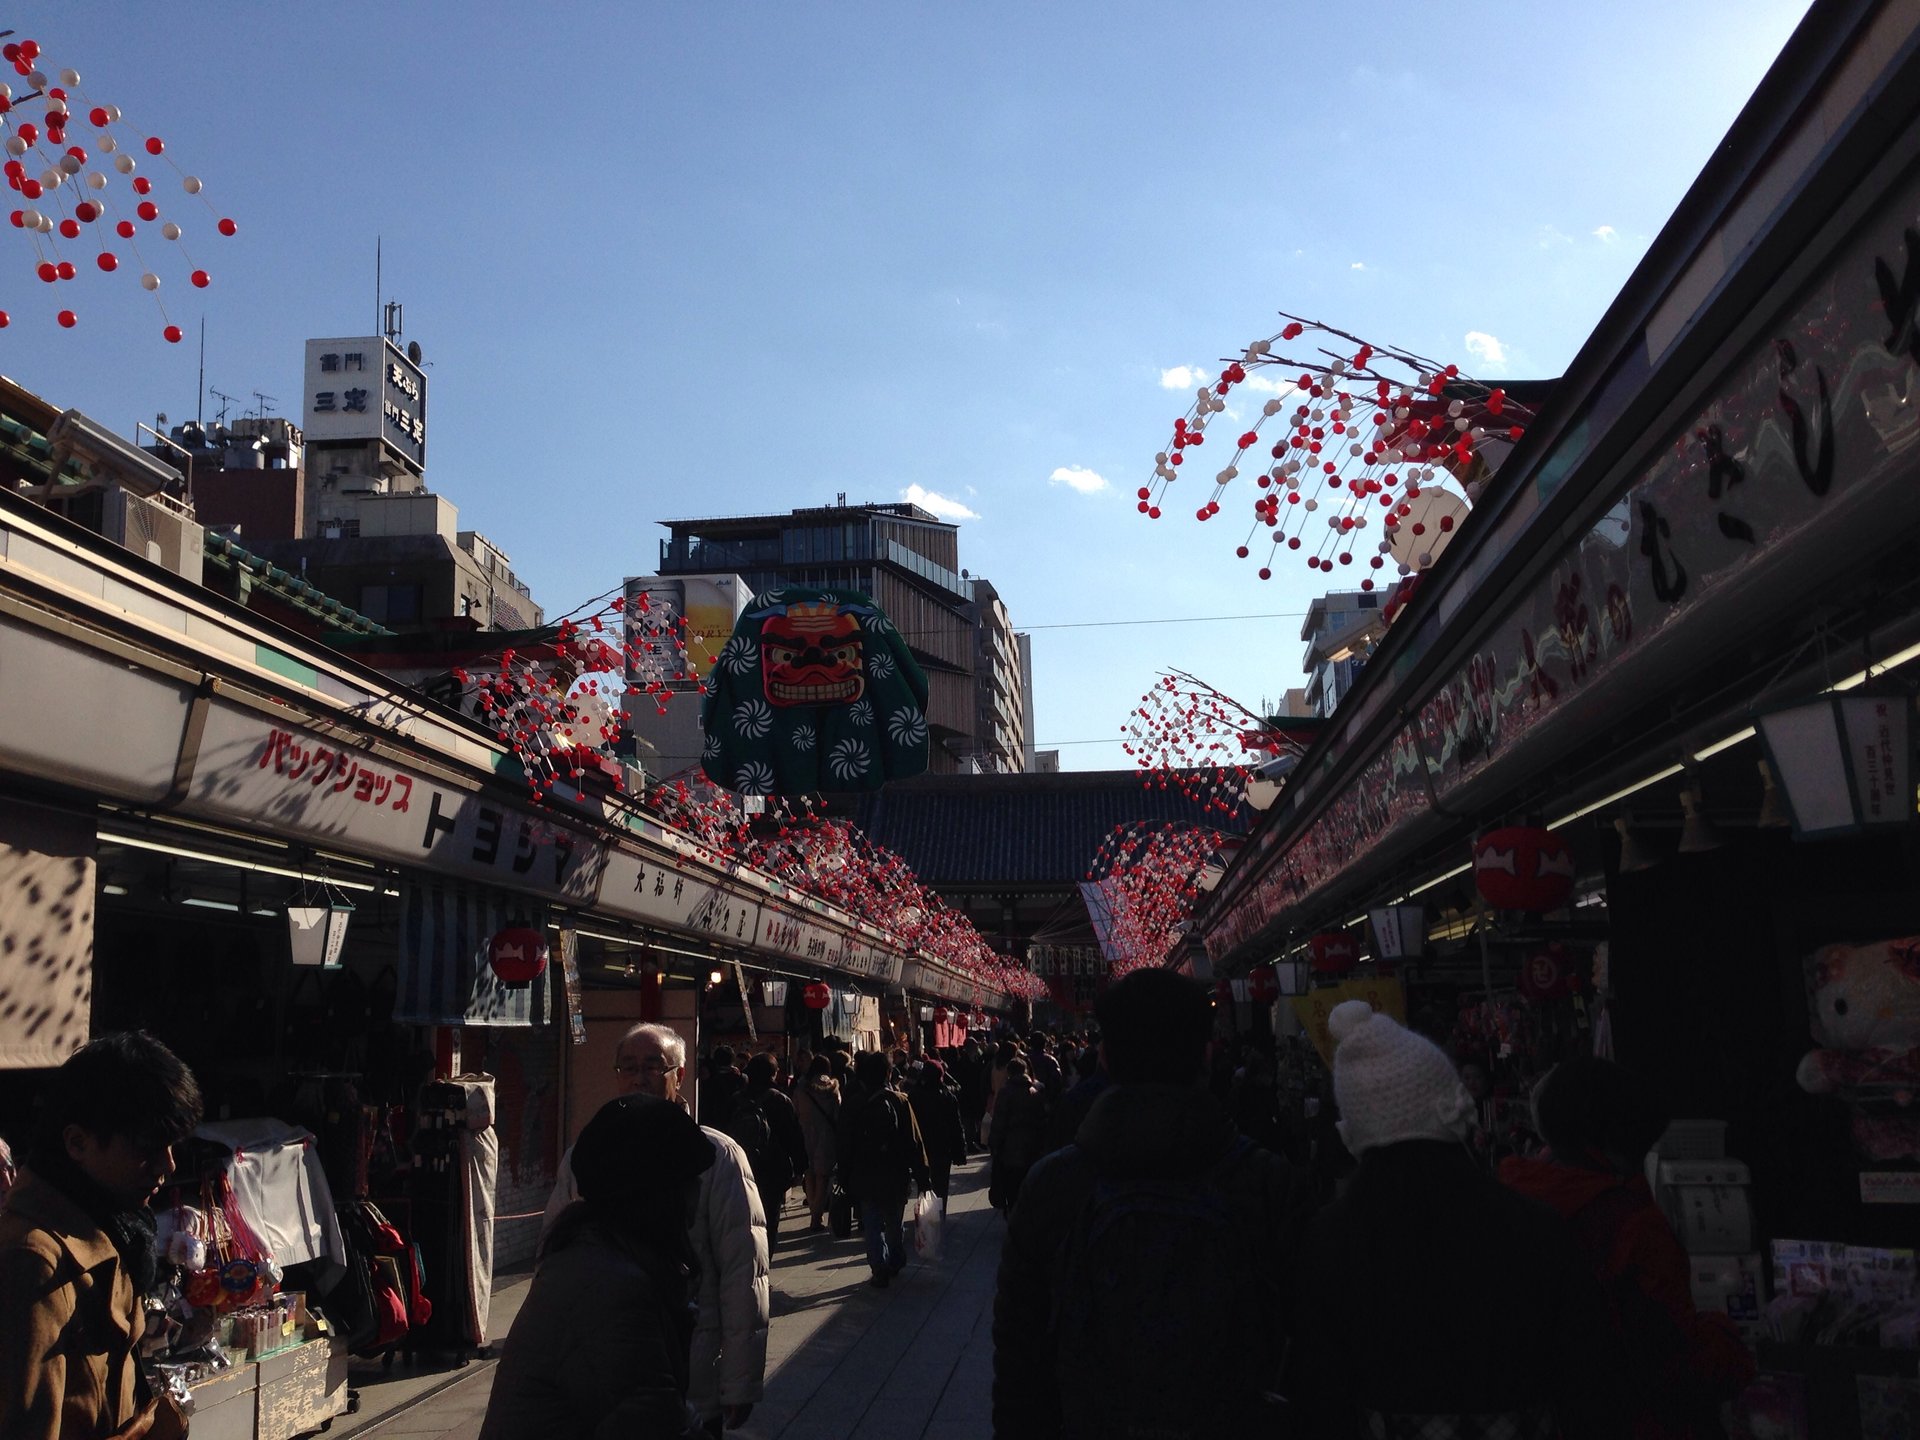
(962, 831)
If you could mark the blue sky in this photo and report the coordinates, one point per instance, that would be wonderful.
(715, 258)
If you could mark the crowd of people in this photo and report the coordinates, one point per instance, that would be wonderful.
(1191, 1249)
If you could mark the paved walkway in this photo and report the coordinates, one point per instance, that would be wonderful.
(846, 1361)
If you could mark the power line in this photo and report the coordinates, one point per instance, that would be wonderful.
(1164, 620)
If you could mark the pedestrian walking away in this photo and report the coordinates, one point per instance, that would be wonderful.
(881, 1159)
(817, 1103)
(727, 1232)
(1017, 1134)
(1143, 1285)
(936, 1109)
(601, 1344)
(764, 1125)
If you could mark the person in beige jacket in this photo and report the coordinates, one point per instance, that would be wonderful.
(729, 1235)
(77, 1246)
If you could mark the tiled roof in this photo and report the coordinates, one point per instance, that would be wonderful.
(962, 831)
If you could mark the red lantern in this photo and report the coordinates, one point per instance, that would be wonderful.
(518, 955)
(941, 1015)
(1263, 985)
(816, 996)
(1334, 953)
(1523, 867)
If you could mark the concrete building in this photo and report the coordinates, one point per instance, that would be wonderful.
(1340, 631)
(1000, 703)
(907, 560)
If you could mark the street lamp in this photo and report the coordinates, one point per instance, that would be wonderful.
(316, 933)
(1844, 761)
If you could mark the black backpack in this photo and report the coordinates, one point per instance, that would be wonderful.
(1156, 1325)
(748, 1125)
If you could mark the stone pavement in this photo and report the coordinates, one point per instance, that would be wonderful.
(846, 1361)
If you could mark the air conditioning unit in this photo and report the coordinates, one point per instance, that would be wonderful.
(157, 531)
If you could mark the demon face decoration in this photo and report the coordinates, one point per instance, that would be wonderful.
(814, 691)
(812, 656)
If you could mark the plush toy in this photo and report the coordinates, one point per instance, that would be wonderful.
(1865, 1007)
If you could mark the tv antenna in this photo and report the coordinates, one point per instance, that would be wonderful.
(225, 400)
(266, 403)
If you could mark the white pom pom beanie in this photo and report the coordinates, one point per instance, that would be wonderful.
(1391, 1084)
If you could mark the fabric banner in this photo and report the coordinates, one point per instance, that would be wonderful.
(444, 975)
(1387, 996)
(47, 872)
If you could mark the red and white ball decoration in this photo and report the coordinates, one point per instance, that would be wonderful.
(1191, 737)
(1345, 457)
(84, 202)
(1149, 876)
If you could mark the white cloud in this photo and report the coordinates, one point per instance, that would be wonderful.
(1078, 477)
(1261, 385)
(1183, 377)
(1550, 236)
(1484, 348)
(935, 503)
(1607, 234)
(1358, 265)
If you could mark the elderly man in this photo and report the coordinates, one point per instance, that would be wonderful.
(729, 1238)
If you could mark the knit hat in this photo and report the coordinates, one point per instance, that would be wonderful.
(1392, 1084)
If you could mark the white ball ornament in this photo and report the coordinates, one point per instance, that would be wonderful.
(150, 281)
(69, 77)
(105, 143)
(191, 184)
(123, 163)
(170, 230)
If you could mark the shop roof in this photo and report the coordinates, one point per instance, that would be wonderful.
(1033, 831)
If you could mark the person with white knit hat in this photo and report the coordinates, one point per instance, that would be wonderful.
(1433, 1302)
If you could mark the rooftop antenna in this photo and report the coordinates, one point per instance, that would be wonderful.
(200, 405)
(266, 403)
(225, 400)
(376, 282)
(394, 319)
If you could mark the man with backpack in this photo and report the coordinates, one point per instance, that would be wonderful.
(1143, 1283)
(764, 1124)
(881, 1156)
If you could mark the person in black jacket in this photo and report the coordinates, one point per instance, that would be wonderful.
(937, 1111)
(780, 1157)
(1430, 1299)
(880, 1156)
(1143, 1283)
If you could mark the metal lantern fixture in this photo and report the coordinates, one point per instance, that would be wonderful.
(317, 927)
(773, 993)
(1399, 931)
(1845, 762)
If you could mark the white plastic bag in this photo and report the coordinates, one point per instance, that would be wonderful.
(927, 1217)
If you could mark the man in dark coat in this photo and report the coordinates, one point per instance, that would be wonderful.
(1143, 1282)
(781, 1156)
(880, 1156)
(1430, 1299)
(936, 1109)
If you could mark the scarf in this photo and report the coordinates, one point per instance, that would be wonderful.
(132, 1231)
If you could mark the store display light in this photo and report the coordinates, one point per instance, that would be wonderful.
(1844, 761)
(317, 926)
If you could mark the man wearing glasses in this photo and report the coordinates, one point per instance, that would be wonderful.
(729, 1233)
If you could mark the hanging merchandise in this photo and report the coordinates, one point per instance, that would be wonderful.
(1864, 1003)
(1549, 974)
(1523, 867)
(815, 691)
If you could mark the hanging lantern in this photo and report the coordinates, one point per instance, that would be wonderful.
(1334, 954)
(816, 996)
(1845, 762)
(316, 933)
(1399, 931)
(1523, 867)
(1263, 986)
(517, 955)
(941, 1015)
(773, 993)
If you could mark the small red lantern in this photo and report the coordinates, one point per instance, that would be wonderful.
(1263, 985)
(1334, 953)
(518, 955)
(1523, 867)
(941, 1015)
(816, 996)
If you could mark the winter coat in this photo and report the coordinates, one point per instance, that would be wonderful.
(1144, 1133)
(937, 1110)
(881, 1154)
(817, 1103)
(599, 1348)
(1019, 1135)
(1680, 1363)
(1428, 1290)
(786, 1153)
(733, 1305)
(70, 1324)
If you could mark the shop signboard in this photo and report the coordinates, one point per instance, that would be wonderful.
(677, 896)
(1798, 452)
(924, 978)
(788, 934)
(1386, 996)
(366, 388)
(269, 774)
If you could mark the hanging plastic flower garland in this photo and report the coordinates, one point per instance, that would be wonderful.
(1149, 876)
(1378, 457)
(68, 191)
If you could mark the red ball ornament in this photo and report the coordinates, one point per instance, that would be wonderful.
(201, 279)
(108, 260)
(142, 185)
(99, 117)
(124, 229)
(86, 211)
(147, 210)
(66, 270)
(70, 229)
(1241, 551)
(67, 319)
(31, 189)
(227, 227)
(155, 145)
(1523, 867)
(173, 334)
(1265, 573)
(19, 220)
(48, 271)
(5, 319)
(29, 132)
